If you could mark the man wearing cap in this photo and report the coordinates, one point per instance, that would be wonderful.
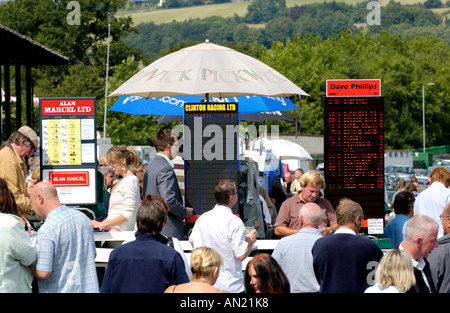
(21, 144)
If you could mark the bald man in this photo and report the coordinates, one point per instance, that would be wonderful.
(293, 252)
(66, 247)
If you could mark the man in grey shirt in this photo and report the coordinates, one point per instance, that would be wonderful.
(439, 258)
(293, 252)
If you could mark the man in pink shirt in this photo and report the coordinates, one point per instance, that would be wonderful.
(310, 185)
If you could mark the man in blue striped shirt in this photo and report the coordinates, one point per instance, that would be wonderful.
(66, 247)
(293, 252)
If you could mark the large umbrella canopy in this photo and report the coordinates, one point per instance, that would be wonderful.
(175, 105)
(283, 149)
(208, 70)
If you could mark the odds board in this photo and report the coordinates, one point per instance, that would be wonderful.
(354, 152)
(210, 151)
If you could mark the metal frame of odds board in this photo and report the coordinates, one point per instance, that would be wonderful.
(76, 179)
(354, 154)
(202, 174)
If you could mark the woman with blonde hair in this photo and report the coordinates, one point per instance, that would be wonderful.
(125, 195)
(205, 265)
(395, 274)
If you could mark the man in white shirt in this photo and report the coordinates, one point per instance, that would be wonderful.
(433, 200)
(223, 231)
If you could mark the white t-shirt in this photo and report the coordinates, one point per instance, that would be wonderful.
(223, 231)
(125, 200)
(432, 202)
(267, 216)
(376, 289)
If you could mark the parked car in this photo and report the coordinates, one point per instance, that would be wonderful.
(391, 180)
(420, 172)
(423, 181)
(401, 169)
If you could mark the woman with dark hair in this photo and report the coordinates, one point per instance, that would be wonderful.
(263, 274)
(8, 206)
(169, 241)
(17, 248)
(7, 203)
(144, 265)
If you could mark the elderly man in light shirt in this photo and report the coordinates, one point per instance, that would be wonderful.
(293, 253)
(420, 239)
(223, 231)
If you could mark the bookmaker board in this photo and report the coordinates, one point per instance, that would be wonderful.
(68, 141)
(354, 151)
(210, 151)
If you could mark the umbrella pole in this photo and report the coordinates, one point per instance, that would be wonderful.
(299, 116)
(261, 144)
(107, 70)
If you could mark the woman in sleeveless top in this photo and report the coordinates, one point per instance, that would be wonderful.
(125, 195)
(205, 265)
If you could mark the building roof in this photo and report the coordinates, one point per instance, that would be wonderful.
(18, 49)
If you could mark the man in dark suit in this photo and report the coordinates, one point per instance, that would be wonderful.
(160, 179)
(420, 239)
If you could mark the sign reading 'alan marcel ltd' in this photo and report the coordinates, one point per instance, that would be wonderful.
(67, 106)
(68, 146)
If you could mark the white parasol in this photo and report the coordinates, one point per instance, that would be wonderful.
(208, 70)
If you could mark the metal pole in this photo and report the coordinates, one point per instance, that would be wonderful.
(423, 112)
(107, 70)
(423, 116)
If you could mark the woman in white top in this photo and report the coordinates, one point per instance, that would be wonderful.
(125, 195)
(395, 274)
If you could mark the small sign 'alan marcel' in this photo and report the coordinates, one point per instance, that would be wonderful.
(69, 178)
(67, 106)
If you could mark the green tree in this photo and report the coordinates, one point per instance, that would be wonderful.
(433, 4)
(46, 21)
(261, 11)
(403, 65)
(85, 43)
(278, 29)
(126, 129)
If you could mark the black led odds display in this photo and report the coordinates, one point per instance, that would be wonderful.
(211, 153)
(354, 152)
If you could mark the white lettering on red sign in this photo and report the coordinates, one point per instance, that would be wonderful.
(61, 107)
(69, 178)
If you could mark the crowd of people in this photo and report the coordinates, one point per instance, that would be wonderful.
(320, 248)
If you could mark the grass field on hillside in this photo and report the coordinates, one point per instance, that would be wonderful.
(225, 10)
